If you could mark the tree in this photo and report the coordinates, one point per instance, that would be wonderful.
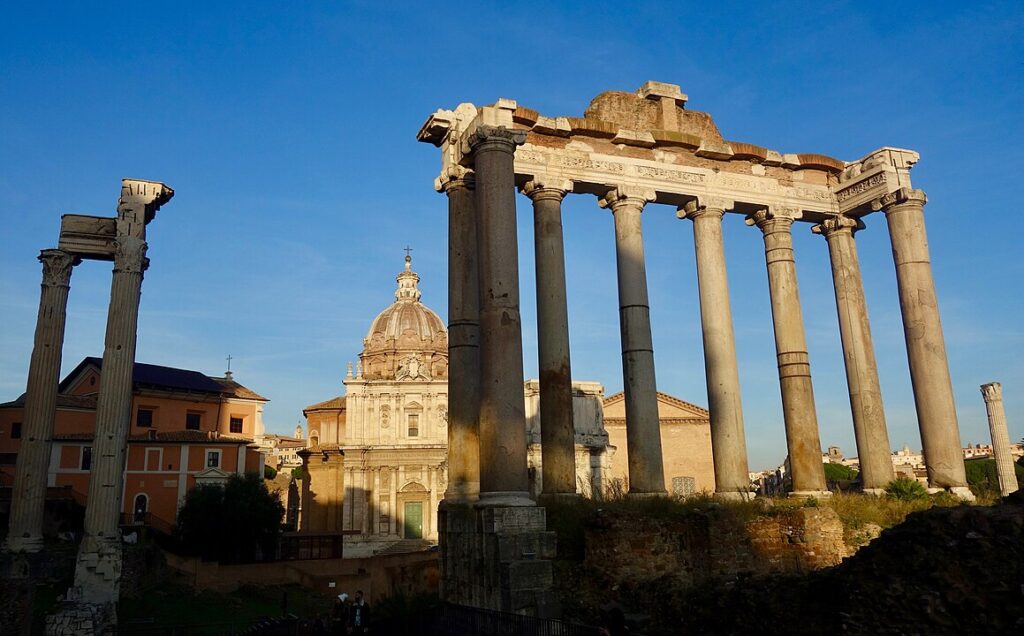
(237, 522)
(269, 472)
(839, 472)
(299, 472)
(982, 475)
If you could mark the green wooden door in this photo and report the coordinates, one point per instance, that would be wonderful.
(414, 520)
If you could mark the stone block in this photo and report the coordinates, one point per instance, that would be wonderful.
(513, 519)
(527, 575)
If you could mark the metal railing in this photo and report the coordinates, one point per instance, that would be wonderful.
(294, 546)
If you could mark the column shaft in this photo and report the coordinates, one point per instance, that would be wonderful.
(728, 441)
(558, 435)
(926, 347)
(29, 491)
(643, 428)
(993, 394)
(463, 343)
(802, 438)
(503, 473)
(869, 427)
(98, 571)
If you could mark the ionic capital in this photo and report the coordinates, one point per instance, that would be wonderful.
(454, 177)
(57, 266)
(903, 196)
(836, 225)
(545, 187)
(992, 392)
(705, 206)
(626, 196)
(773, 219)
(497, 138)
(130, 255)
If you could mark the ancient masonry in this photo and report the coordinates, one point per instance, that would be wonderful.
(121, 239)
(630, 150)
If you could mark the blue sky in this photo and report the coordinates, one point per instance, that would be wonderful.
(289, 136)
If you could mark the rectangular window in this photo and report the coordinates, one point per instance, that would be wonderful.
(213, 459)
(86, 458)
(414, 425)
(144, 418)
(192, 421)
(236, 425)
(16, 430)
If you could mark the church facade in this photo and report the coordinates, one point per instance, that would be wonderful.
(391, 422)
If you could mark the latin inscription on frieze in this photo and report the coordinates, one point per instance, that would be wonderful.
(667, 173)
(861, 187)
(583, 163)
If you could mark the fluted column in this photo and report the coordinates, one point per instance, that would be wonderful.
(558, 436)
(926, 347)
(643, 429)
(728, 441)
(463, 340)
(869, 427)
(798, 412)
(29, 492)
(98, 571)
(993, 394)
(503, 473)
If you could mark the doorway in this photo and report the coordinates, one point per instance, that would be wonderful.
(140, 508)
(414, 520)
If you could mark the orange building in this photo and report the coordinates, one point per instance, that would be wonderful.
(187, 428)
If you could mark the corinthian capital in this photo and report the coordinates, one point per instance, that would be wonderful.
(626, 195)
(903, 196)
(992, 392)
(838, 225)
(130, 255)
(57, 266)
(546, 187)
(705, 206)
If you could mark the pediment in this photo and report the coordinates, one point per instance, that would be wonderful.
(413, 486)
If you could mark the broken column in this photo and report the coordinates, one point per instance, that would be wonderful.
(798, 412)
(98, 570)
(993, 394)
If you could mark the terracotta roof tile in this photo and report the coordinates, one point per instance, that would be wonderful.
(333, 403)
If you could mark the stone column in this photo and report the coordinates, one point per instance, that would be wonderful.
(869, 428)
(798, 410)
(503, 474)
(463, 340)
(643, 428)
(993, 394)
(728, 442)
(926, 347)
(558, 436)
(29, 492)
(98, 571)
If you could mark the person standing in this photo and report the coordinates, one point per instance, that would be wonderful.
(360, 614)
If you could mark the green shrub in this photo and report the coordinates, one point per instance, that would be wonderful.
(299, 473)
(906, 489)
(236, 522)
(269, 472)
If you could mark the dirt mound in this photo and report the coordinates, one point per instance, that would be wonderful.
(943, 571)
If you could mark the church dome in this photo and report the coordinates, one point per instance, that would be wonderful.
(406, 341)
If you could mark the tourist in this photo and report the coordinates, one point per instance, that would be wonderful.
(340, 615)
(359, 614)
